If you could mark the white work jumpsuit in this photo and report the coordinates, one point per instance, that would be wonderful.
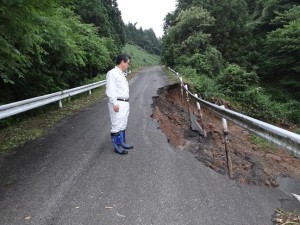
(117, 88)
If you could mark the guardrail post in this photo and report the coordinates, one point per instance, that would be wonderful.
(181, 86)
(226, 141)
(187, 96)
(187, 93)
(60, 104)
(90, 92)
(198, 106)
(200, 115)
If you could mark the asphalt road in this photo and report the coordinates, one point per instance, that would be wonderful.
(72, 176)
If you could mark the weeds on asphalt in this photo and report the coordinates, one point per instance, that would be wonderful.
(286, 218)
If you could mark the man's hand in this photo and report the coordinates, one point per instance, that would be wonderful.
(116, 108)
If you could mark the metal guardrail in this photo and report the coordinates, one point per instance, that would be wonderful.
(276, 135)
(28, 104)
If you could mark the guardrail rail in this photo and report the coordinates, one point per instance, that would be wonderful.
(28, 104)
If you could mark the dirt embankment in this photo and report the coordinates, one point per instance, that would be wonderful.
(251, 164)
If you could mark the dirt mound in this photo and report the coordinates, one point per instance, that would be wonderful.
(251, 164)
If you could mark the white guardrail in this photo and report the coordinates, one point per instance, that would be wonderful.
(276, 135)
(25, 105)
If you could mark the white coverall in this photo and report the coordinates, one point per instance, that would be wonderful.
(117, 87)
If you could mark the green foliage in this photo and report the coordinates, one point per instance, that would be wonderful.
(146, 39)
(204, 86)
(292, 111)
(244, 45)
(45, 47)
(283, 48)
(187, 38)
(19, 36)
(191, 22)
(230, 32)
(281, 52)
(285, 17)
(63, 35)
(264, 11)
(139, 57)
(210, 63)
(104, 15)
(259, 105)
(263, 143)
(242, 87)
(235, 80)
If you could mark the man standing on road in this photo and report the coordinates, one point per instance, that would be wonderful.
(117, 91)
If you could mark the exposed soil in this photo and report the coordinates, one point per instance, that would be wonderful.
(251, 164)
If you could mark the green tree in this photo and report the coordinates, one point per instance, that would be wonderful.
(45, 47)
(105, 15)
(187, 41)
(146, 39)
(20, 36)
(230, 32)
(282, 51)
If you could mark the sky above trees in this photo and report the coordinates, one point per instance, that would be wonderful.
(147, 14)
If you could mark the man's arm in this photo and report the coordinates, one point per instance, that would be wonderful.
(111, 90)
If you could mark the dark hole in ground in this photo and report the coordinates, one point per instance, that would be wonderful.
(251, 164)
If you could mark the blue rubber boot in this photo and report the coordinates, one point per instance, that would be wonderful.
(123, 140)
(115, 138)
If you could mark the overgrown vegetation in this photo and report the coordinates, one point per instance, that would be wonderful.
(244, 51)
(146, 39)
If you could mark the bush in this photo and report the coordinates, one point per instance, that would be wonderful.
(210, 63)
(259, 105)
(235, 80)
(293, 112)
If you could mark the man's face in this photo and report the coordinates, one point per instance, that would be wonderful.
(125, 65)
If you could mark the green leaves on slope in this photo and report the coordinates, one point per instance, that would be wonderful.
(45, 47)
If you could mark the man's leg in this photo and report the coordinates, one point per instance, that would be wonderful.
(123, 140)
(116, 120)
(125, 107)
(116, 140)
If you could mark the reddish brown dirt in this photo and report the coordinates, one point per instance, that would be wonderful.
(251, 164)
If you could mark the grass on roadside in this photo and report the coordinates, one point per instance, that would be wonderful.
(32, 127)
(264, 144)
